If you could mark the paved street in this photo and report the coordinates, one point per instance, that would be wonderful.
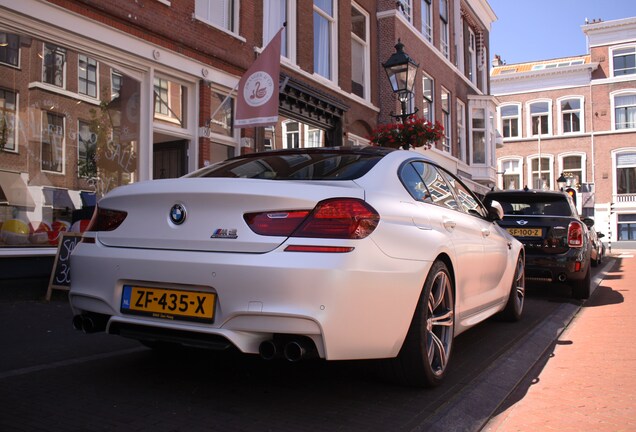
(53, 378)
(589, 381)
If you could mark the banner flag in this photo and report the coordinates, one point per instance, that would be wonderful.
(257, 98)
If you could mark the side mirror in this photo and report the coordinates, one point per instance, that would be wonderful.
(495, 211)
(600, 235)
(589, 222)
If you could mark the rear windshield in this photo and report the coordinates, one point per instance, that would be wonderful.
(294, 166)
(527, 204)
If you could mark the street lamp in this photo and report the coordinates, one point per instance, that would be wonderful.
(401, 70)
(562, 182)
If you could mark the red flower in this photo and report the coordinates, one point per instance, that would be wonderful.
(416, 132)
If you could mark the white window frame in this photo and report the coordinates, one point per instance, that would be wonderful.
(333, 42)
(429, 101)
(446, 120)
(560, 111)
(503, 170)
(406, 8)
(88, 58)
(357, 141)
(461, 129)
(530, 116)
(503, 118)
(427, 19)
(472, 56)
(64, 72)
(529, 172)
(63, 155)
(207, 11)
(444, 28)
(583, 170)
(271, 25)
(307, 130)
(285, 133)
(613, 55)
(483, 130)
(7, 47)
(613, 95)
(615, 166)
(16, 123)
(366, 52)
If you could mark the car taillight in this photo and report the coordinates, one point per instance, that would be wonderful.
(106, 220)
(341, 218)
(575, 235)
(279, 223)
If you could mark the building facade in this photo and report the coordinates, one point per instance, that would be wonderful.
(99, 94)
(575, 117)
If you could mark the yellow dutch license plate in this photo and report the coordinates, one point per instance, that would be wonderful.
(525, 232)
(168, 304)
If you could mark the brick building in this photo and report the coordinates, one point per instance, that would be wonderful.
(98, 94)
(575, 116)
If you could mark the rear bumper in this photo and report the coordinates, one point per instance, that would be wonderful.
(354, 305)
(557, 268)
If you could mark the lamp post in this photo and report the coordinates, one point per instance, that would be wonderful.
(562, 182)
(401, 71)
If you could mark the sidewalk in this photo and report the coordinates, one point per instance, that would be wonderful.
(589, 381)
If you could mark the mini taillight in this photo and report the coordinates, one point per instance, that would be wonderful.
(106, 220)
(575, 235)
(343, 218)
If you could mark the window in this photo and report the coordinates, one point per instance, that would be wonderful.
(571, 115)
(510, 170)
(425, 183)
(572, 169)
(324, 37)
(624, 61)
(86, 151)
(472, 57)
(406, 7)
(428, 111)
(161, 96)
(87, 76)
(10, 49)
(277, 13)
(219, 13)
(478, 123)
(359, 53)
(444, 32)
(8, 112)
(510, 124)
(540, 118)
(446, 120)
(427, 27)
(626, 173)
(541, 173)
(461, 129)
(53, 142)
(223, 121)
(314, 137)
(54, 65)
(625, 111)
(626, 227)
(116, 81)
(291, 134)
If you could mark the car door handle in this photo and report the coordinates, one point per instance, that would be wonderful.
(485, 232)
(449, 224)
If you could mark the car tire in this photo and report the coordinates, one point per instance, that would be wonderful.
(581, 289)
(423, 359)
(514, 307)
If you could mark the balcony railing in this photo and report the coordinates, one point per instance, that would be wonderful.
(625, 198)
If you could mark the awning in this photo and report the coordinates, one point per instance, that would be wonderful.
(14, 190)
(58, 198)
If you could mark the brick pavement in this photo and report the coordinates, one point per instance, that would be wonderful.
(589, 381)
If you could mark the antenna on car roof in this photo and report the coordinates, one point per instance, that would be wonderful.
(525, 188)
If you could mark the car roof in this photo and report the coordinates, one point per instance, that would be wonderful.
(526, 191)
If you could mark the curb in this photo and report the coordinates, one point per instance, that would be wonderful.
(473, 409)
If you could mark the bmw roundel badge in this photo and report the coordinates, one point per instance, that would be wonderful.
(177, 214)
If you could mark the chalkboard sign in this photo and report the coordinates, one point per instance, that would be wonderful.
(61, 274)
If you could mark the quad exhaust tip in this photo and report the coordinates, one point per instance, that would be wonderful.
(292, 350)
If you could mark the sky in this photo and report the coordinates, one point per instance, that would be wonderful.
(529, 30)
